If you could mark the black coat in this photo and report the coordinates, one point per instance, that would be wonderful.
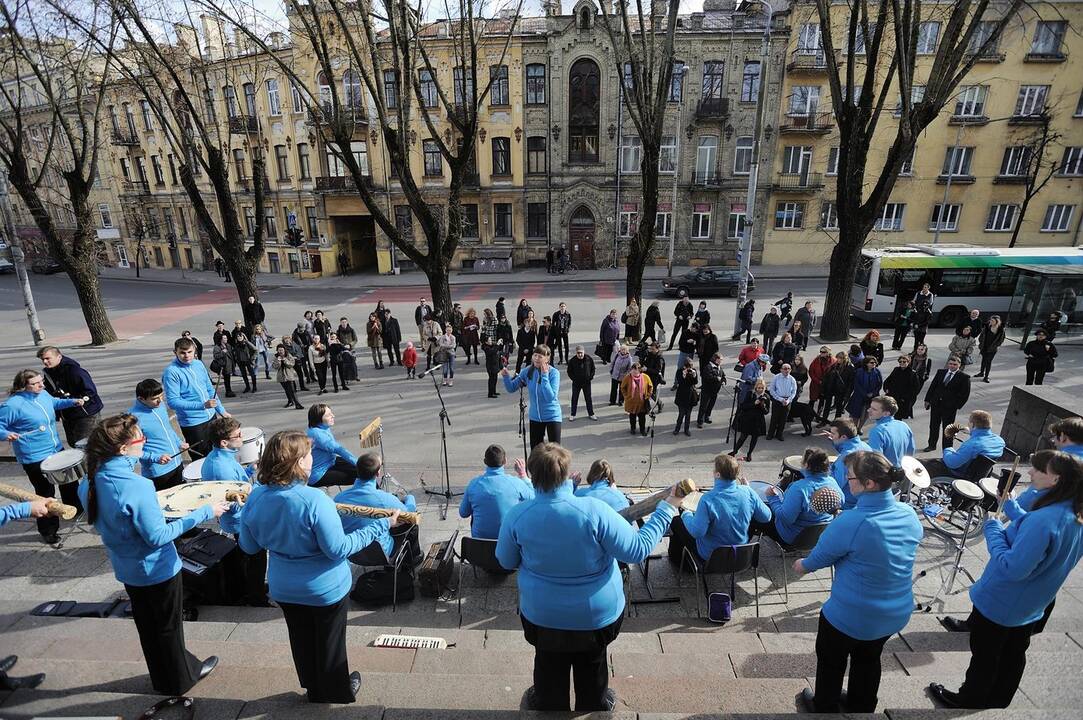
(713, 377)
(652, 319)
(70, 380)
(392, 333)
(654, 364)
(708, 346)
(921, 367)
(1040, 354)
(769, 325)
(782, 354)
(686, 386)
(990, 341)
(421, 312)
(952, 396)
(492, 358)
(684, 310)
(254, 314)
(875, 350)
(751, 416)
(920, 319)
(562, 323)
(581, 372)
(903, 384)
(322, 328)
(521, 311)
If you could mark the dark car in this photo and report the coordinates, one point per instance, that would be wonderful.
(698, 282)
(45, 266)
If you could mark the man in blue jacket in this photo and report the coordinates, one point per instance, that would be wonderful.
(890, 437)
(983, 442)
(189, 392)
(542, 383)
(364, 492)
(793, 512)
(489, 496)
(845, 438)
(161, 459)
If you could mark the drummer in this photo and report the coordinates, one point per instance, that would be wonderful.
(794, 512)
(124, 510)
(161, 459)
(722, 517)
(20, 511)
(190, 394)
(845, 439)
(601, 483)
(888, 436)
(1028, 562)
(28, 422)
(982, 442)
(364, 492)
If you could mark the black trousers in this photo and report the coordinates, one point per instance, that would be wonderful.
(321, 375)
(900, 337)
(778, 419)
(290, 388)
(939, 418)
(540, 430)
(393, 349)
(585, 389)
(318, 642)
(997, 661)
(641, 418)
(69, 494)
(615, 395)
(986, 364)
(583, 652)
(248, 374)
(834, 649)
(156, 610)
(341, 473)
(1035, 374)
(684, 416)
(766, 528)
(492, 383)
(919, 336)
(77, 428)
(679, 539)
(171, 479)
(741, 441)
(706, 404)
(522, 358)
(198, 438)
(679, 328)
(768, 343)
(561, 344)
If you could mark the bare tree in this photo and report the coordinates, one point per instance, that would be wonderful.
(878, 62)
(1040, 168)
(49, 128)
(643, 53)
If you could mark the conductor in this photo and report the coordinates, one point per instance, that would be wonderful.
(542, 383)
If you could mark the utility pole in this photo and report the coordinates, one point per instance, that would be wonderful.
(19, 261)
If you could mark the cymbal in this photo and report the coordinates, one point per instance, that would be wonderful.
(915, 472)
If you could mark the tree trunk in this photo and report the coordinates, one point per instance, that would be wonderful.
(439, 275)
(244, 278)
(84, 276)
(844, 258)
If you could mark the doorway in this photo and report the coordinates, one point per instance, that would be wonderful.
(581, 237)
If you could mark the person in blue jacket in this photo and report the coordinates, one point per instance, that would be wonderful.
(21, 511)
(364, 492)
(161, 460)
(308, 573)
(872, 548)
(489, 496)
(332, 464)
(601, 483)
(190, 394)
(793, 512)
(571, 596)
(982, 442)
(122, 507)
(722, 517)
(1029, 560)
(890, 437)
(867, 384)
(28, 422)
(845, 439)
(542, 383)
(1067, 435)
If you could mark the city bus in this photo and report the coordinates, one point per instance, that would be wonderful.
(962, 277)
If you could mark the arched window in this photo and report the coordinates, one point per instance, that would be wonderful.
(584, 90)
(584, 19)
(351, 89)
(325, 91)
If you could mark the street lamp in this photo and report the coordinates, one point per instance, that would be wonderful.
(18, 260)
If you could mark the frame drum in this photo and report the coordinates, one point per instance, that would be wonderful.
(193, 471)
(252, 447)
(760, 488)
(182, 499)
(66, 466)
(965, 495)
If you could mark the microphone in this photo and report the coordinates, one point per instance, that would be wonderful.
(431, 370)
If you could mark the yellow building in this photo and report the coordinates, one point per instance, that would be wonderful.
(968, 163)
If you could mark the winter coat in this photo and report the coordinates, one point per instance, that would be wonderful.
(620, 366)
(347, 335)
(990, 341)
(655, 366)
(817, 373)
(635, 403)
(222, 362)
(392, 335)
(963, 347)
(317, 356)
(493, 361)
(562, 322)
(581, 372)
(409, 357)
(284, 368)
(686, 389)
(747, 315)
(807, 318)
(867, 384)
(631, 315)
(1041, 355)
(254, 314)
(713, 377)
(702, 317)
(875, 350)
(323, 329)
(526, 336)
(609, 332)
(707, 347)
(470, 331)
(70, 380)
(684, 310)
(244, 351)
(653, 319)
(903, 384)
(922, 367)
(751, 416)
(769, 325)
(521, 311)
(374, 334)
(782, 354)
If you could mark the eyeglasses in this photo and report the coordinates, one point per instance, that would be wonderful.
(235, 437)
(851, 477)
(136, 441)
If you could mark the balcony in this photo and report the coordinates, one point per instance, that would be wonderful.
(326, 116)
(959, 179)
(706, 179)
(989, 56)
(1011, 179)
(713, 108)
(243, 124)
(968, 120)
(1051, 56)
(341, 184)
(797, 182)
(471, 180)
(135, 187)
(814, 123)
(124, 137)
(1041, 118)
(807, 62)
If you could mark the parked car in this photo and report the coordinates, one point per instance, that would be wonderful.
(702, 281)
(45, 266)
(6, 266)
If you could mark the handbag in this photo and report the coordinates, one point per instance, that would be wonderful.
(217, 365)
(661, 335)
(719, 607)
(599, 350)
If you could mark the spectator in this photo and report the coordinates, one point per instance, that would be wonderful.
(637, 389)
(1041, 358)
(750, 421)
(608, 335)
(989, 342)
(903, 384)
(769, 328)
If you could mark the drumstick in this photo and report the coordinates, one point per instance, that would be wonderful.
(40, 428)
(410, 518)
(1007, 492)
(67, 512)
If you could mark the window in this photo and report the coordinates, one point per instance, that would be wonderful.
(667, 155)
(907, 166)
(297, 100)
(129, 118)
(249, 99)
(1001, 218)
(804, 100)
(304, 162)
(928, 34)
(584, 87)
(957, 161)
(170, 225)
(712, 79)
(404, 221)
(535, 155)
(796, 159)
(502, 220)
(663, 220)
(1031, 100)
(789, 215)
(148, 117)
(535, 84)
(325, 90)
(808, 39)
(706, 158)
(208, 104)
(833, 161)
(629, 76)
(742, 156)
(536, 220)
(231, 100)
(105, 215)
(860, 38)
(173, 170)
(1079, 106)
(1058, 218)
(960, 282)
(701, 221)
(351, 90)
(140, 170)
(1072, 162)
(270, 224)
(750, 82)
(982, 33)
(498, 91)
(676, 83)
(946, 217)
(628, 219)
(829, 216)
(1016, 161)
(735, 228)
(428, 88)
(1048, 38)
(282, 163)
(891, 219)
(156, 164)
(313, 224)
(917, 94)
(970, 102)
(631, 153)
(470, 221)
(434, 165)
(249, 221)
(274, 103)
(391, 90)
(463, 86)
(125, 169)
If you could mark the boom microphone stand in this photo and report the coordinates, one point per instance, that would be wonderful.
(733, 407)
(445, 471)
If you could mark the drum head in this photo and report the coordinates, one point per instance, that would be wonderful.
(793, 462)
(63, 460)
(81, 444)
(989, 486)
(251, 434)
(193, 471)
(967, 489)
(760, 488)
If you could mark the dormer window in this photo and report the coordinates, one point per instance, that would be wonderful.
(584, 19)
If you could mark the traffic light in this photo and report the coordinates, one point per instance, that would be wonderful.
(294, 236)
(172, 241)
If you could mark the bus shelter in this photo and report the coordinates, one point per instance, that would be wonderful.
(1046, 296)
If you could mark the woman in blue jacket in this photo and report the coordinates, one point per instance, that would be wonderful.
(28, 422)
(571, 596)
(872, 548)
(122, 507)
(793, 512)
(601, 483)
(542, 383)
(308, 574)
(1028, 562)
(332, 464)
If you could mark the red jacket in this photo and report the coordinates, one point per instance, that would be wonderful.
(748, 354)
(817, 371)
(409, 357)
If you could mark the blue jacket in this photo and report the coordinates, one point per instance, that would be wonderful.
(1027, 567)
(892, 438)
(324, 450)
(566, 549)
(187, 387)
(365, 492)
(1020, 506)
(221, 464)
(872, 548)
(130, 521)
(838, 468)
(307, 549)
(723, 515)
(14, 512)
(488, 498)
(982, 441)
(1076, 450)
(544, 392)
(23, 413)
(605, 492)
(793, 512)
(867, 384)
(749, 376)
(161, 439)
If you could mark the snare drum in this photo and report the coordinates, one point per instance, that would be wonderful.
(760, 488)
(965, 495)
(67, 466)
(193, 471)
(990, 488)
(791, 471)
(252, 445)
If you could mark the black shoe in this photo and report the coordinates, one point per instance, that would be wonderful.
(8, 663)
(978, 375)
(699, 423)
(930, 448)
(233, 394)
(53, 540)
(732, 453)
(955, 625)
(806, 701)
(985, 379)
(208, 665)
(355, 683)
(807, 432)
(28, 682)
(299, 406)
(643, 432)
(944, 697)
(633, 431)
(677, 431)
(246, 390)
(321, 392)
(687, 433)
(707, 420)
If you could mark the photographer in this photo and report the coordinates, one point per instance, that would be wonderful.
(542, 383)
(581, 373)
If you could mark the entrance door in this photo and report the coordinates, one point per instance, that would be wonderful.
(581, 237)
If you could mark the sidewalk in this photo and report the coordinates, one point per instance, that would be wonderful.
(417, 278)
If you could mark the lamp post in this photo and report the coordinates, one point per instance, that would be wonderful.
(18, 260)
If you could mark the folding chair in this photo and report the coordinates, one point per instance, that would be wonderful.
(730, 559)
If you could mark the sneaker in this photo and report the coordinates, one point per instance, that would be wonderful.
(594, 417)
(451, 383)
(610, 699)
(571, 418)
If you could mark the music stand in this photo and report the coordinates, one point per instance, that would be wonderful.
(445, 471)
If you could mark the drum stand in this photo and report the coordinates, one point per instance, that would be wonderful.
(957, 564)
(445, 471)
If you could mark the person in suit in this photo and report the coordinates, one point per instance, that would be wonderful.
(948, 392)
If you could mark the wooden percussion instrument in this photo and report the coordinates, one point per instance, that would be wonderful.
(178, 501)
(646, 506)
(65, 512)
(410, 518)
(372, 434)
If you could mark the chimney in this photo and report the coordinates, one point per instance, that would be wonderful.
(552, 8)
(214, 36)
(187, 40)
(659, 7)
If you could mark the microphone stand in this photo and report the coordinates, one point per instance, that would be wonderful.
(445, 471)
(656, 408)
(733, 407)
